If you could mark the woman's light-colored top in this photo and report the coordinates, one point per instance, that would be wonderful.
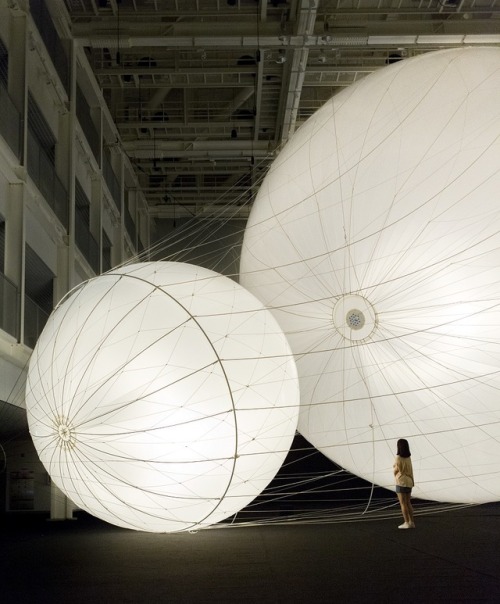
(403, 471)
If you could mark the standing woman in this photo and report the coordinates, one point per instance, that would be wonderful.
(403, 473)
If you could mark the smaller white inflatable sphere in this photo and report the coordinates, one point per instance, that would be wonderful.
(162, 397)
(375, 239)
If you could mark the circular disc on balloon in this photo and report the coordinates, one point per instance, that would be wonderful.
(162, 397)
(375, 239)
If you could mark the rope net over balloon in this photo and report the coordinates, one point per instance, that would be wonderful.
(162, 397)
(374, 241)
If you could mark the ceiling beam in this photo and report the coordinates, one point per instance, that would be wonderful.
(231, 150)
(353, 39)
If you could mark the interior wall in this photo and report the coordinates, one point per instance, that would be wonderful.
(24, 484)
(27, 484)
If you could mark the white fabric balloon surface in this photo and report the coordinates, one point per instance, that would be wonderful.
(375, 240)
(162, 397)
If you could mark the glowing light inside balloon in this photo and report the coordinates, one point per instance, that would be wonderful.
(375, 238)
(162, 397)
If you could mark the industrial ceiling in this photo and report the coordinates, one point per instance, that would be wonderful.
(205, 92)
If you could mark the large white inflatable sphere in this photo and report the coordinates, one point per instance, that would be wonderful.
(162, 397)
(375, 239)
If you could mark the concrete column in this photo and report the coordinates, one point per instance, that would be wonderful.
(96, 214)
(118, 248)
(67, 165)
(61, 284)
(144, 231)
(121, 180)
(14, 262)
(17, 60)
(130, 197)
(17, 85)
(65, 253)
(61, 508)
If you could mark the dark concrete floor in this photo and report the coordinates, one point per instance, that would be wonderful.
(452, 556)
